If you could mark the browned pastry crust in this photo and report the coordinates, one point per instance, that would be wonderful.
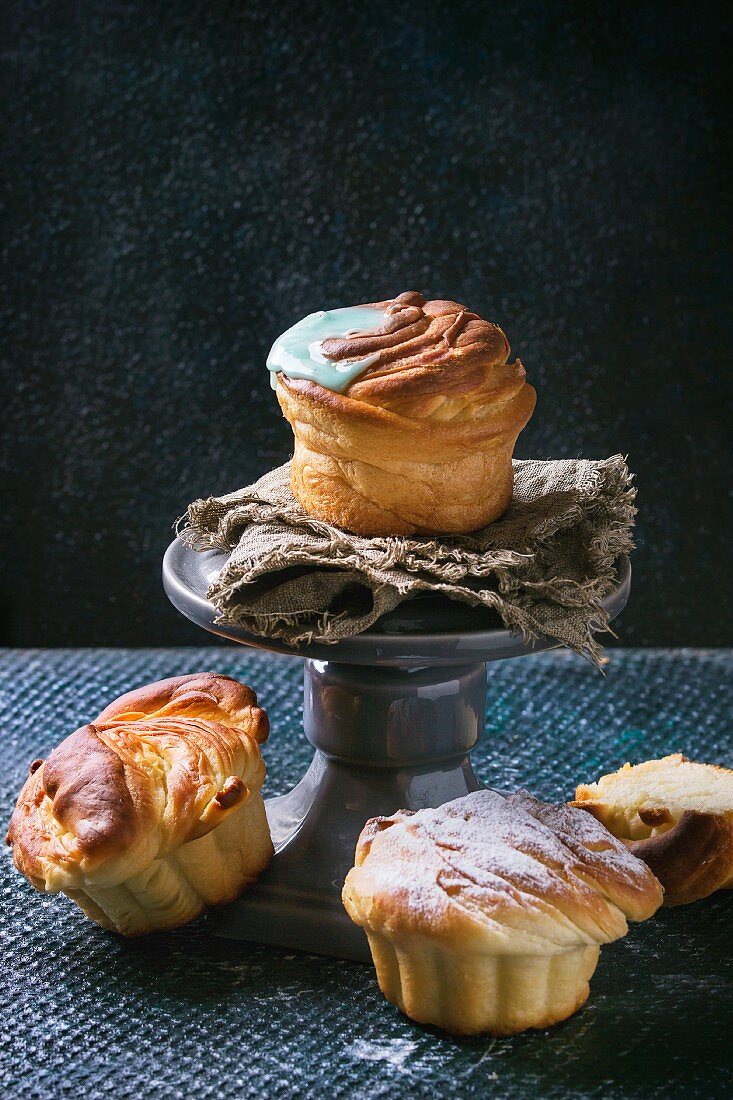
(656, 808)
(206, 695)
(692, 859)
(422, 441)
(153, 811)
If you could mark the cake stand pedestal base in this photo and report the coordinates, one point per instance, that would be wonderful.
(385, 739)
(392, 714)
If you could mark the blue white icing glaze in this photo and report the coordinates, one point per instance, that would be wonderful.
(298, 352)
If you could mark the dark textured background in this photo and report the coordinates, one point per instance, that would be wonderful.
(184, 181)
(185, 1015)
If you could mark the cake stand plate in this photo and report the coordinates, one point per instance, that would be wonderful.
(392, 714)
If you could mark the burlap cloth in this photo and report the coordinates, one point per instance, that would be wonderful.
(544, 567)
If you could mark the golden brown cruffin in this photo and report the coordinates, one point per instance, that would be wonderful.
(487, 913)
(674, 814)
(422, 440)
(152, 812)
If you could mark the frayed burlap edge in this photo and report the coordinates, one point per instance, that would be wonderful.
(517, 583)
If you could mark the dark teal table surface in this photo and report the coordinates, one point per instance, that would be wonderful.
(84, 1013)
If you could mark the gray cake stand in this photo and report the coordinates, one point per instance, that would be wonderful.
(392, 714)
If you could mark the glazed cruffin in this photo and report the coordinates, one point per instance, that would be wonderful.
(676, 815)
(422, 440)
(487, 913)
(151, 813)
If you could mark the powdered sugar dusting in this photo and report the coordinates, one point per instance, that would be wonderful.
(504, 862)
(397, 1053)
